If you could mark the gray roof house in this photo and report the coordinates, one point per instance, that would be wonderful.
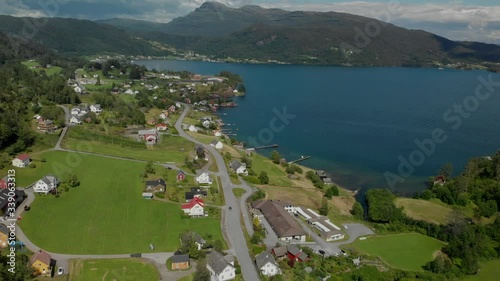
(220, 269)
(46, 184)
(267, 264)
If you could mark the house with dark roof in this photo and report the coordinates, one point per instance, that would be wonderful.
(279, 252)
(195, 193)
(220, 269)
(158, 185)
(283, 224)
(19, 197)
(21, 161)
(181, 175)
(180, 262)
(267, 264)
(238, 167)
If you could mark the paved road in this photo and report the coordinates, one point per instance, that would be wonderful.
(65, 129)
(231, 218)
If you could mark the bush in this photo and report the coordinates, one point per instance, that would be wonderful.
(264, 179)
(43, 160)
(427, 194)
(252, 179)
(32, 165)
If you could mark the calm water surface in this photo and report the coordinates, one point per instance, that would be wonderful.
(358, 123)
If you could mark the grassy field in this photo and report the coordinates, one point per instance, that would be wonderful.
(403, 251)
(420, 209)
(112, 269)
(106, 213)
(489, 272)
(171, 149)
(49, 71)
(238, 192)
(277, 175)
(433, 210)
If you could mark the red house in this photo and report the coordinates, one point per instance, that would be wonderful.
(295, 255)
(4, 183)
(181, 176)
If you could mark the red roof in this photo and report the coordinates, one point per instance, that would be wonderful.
(41, 256)
(192, 203)
(3, 184)
(23, 156)
(162, 125)
(149, 136)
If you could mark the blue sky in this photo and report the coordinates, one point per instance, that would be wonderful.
(474, 20)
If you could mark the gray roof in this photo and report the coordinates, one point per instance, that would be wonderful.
(263, 258)
(292, 249)
(280, 220)
(97, 106)
(180, 258)
(198, 238)
(49, 179)
(235, 164)
(214, 142)
(280, 251)
(4, 229)
(217, 262)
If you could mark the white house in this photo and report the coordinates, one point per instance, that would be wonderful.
(218, 134)
(76, 119)
(161, 127)
(21, 161)
(267, 264)
(204, 178)
(217, 144)
(220, 269)
(192, 128)
(46, 184)
(238, 167)
(96, 108)
(194, 207)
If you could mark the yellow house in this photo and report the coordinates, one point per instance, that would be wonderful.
(4, 236)
(41, 263)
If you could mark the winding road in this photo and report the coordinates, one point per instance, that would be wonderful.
(230, 219)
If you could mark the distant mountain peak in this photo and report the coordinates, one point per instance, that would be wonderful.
(212, 6)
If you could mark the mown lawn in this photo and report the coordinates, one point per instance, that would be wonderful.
(420, 209)
(238, 192)
(403, 251)
(171, 149)
(277, 175)
(112, 269)
(49, 71)
(489, 271)
(106, 213)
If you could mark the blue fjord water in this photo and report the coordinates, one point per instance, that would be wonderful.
(360, 124)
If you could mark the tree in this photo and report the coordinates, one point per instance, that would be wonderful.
(275, 157)
(201, 273)
(149, 168)
(135, 73)
(264, 179)
(357, 210)
(324, 208)
(73, 181)
(98, 82)
(218, 245)
(332, 191)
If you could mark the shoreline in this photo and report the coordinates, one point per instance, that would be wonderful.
(437, 67)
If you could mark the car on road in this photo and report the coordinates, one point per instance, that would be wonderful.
(60, 271)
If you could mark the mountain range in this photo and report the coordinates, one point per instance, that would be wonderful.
(255, 33)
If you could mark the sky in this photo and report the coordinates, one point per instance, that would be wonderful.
(471, 20)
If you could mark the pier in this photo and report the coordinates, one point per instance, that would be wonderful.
(263, 147)
(302, 158)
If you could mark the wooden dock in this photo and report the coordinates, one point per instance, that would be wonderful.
(264, 147)
(300, 159)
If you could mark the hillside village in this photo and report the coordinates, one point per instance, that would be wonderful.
(149, 146)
